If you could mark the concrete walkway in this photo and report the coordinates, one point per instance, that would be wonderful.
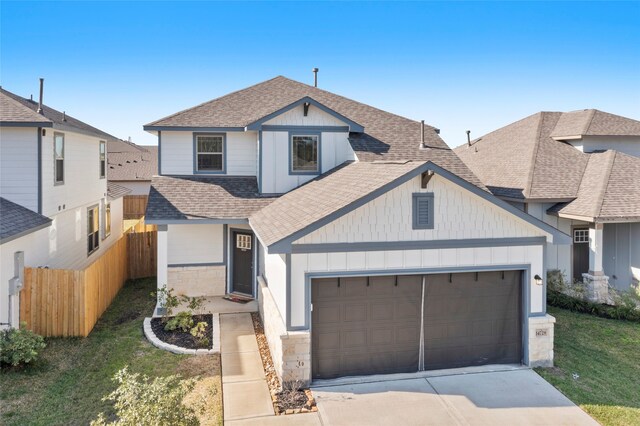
(245, 394)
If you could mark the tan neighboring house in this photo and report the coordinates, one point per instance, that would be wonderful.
(357, 230)
(132, 166)
(580, 172)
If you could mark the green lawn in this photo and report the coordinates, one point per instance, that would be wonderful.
(606, 355)
(66, 385)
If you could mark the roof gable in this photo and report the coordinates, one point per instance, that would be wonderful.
(592, 122)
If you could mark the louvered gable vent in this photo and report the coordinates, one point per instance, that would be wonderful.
(423, 210)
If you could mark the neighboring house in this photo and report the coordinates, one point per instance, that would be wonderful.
(131, 165)
(370, 246)
(580, 172)
(56, 207)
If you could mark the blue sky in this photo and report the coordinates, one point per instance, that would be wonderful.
(458, 66)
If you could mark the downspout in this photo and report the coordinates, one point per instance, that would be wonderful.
(40, 170)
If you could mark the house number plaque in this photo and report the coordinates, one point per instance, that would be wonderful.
(541, 332)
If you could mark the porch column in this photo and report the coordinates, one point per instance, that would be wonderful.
(597, 282)
(163, 272)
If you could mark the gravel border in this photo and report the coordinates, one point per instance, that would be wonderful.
(155, 341)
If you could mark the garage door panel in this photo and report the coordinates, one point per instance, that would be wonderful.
(382, 336)
(382, 311)
(355, 338)
(354, 312)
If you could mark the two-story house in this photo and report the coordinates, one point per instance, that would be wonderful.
(57, 209)
(369, 245)
(580, 172)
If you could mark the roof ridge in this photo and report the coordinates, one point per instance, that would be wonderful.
(603, 189)
(588, 124)
(534, 156)
(212, 100)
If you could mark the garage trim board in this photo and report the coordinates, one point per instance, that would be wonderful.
(495, 337)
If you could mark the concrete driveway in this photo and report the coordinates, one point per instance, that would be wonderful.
(510, 397)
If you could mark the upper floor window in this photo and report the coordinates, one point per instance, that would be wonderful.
(209, 153)
(103, 159)
(93, 229)
(304, 154)
(58, 158)
(423, 210)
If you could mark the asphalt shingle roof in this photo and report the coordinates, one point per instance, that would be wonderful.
(129, 162)
(386, 136)
(16, 220)
(323, 196)
(116, 191)
(12, 111)
(195, 197)
(60, 120)
(592, 122)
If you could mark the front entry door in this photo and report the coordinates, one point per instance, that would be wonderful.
(580, 252)
(242, 276)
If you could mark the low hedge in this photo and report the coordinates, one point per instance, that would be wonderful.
(621, 312)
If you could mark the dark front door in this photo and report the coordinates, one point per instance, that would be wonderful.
(242, 276)
(580, 252)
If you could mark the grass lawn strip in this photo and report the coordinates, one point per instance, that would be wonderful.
(605, 355)
(66, 386)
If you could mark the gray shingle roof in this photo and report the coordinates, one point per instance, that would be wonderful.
(324, 196)
(386, 136)
(116, 191)
(610, 188)
(60, 120)
(592, 122)
(521, 160)
(130, 162)
(16, 221)
(194, 197)
(13, 112)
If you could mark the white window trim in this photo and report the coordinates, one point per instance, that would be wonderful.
(55, 160)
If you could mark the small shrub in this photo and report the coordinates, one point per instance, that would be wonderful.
(142, 402)
(169, 301)
(19, 346)
(195, 304)
(200, 333)
(619, 312)
(182, 321)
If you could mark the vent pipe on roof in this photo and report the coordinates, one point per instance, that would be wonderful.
(41, 95)
(315, 77)
(469, 137)
(422, 145)
(64, 115)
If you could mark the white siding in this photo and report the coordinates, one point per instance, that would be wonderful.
(136, 187)
(34, 246)
(275, 274)
(334, 150)
(19, 166)
(315, 117)
(67, 240)
(627, 144)
(192, 244)
(411, 259)
(177, 153)
(82, 184)
(458, 214)
(621, 254)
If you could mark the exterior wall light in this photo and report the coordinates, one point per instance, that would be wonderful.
(538, 279)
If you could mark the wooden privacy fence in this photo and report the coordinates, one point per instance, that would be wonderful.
(134, 206)
(60, 302)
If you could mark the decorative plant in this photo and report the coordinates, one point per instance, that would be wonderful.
(182, 321)
(139, 401)
(19, 345)
(195, 304)
(200, 333)
(167, 300)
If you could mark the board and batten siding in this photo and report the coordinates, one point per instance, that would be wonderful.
(334, 150)
(275, 275)
(195, 244)
(295, 117)
(177, 154)
(19, 166)
(458, 214)
(82, 182)
(621, 254)
(398, 260)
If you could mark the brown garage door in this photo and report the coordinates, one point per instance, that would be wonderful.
(371, 325)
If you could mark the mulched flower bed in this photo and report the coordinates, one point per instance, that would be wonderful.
(180, 338)
(290, 401)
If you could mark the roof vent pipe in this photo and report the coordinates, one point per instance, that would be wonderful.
(64, 115)
(315, 77)
(422, 145)
(469, 137)
(41, 95)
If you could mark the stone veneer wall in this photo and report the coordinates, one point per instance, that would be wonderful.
(198, 280)
(290, 350)
(541, 341)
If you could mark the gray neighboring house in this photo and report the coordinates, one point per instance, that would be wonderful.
(356, 230)
(580, 172)
(132, 166)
